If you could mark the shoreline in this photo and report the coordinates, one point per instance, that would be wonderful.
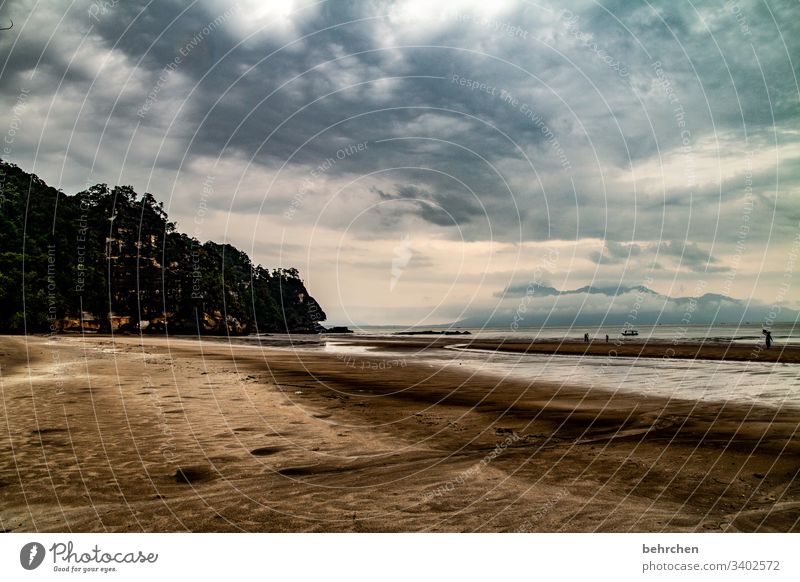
(150, 434)
(636, 348)
(648, 349)
(716, 351)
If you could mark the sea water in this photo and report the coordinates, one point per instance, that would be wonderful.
(783, 333)
(766, 383)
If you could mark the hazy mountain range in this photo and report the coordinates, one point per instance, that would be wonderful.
(539, 305)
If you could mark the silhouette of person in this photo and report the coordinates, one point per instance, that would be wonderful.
(606, 338)
(586, 337)
(768, 339)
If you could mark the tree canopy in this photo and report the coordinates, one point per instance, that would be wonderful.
(112, 252)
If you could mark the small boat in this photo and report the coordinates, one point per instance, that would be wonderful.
(628, 332)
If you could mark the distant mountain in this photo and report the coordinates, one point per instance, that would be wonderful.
(541, 290)
(109, 258)
(537, 305)
(611, 290)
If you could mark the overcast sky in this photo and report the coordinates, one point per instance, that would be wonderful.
(416, 159)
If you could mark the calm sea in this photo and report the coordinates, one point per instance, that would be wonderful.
(770, 384)
(781, 333)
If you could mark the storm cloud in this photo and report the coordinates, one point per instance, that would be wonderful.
(644, 140)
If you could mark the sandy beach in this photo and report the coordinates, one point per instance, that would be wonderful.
(154, 434)
(640, 349)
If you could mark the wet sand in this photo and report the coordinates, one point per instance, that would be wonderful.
(628, 348)
(131, 434)
(651, 349)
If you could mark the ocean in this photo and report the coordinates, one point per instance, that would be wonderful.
(771, 384)
(783, 333)
(764, 383)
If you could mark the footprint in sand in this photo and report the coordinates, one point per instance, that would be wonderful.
(43, 431)
(192, 475)
(266, 451)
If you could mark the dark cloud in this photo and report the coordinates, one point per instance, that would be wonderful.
(503, 123)
(442, 208)
(691, 256)
(686, 254)
(615, 253)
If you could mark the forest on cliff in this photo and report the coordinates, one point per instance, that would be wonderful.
(109, 257)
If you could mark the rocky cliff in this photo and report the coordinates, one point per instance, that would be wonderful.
(110, 258)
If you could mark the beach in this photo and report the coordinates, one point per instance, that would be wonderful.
(707, 351)
(159, 434)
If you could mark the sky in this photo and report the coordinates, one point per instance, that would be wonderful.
(422, 162)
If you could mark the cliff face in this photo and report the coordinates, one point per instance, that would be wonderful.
(108, 257)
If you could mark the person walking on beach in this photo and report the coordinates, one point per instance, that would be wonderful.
(606, 338)
(586, 337)
(768, 337)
